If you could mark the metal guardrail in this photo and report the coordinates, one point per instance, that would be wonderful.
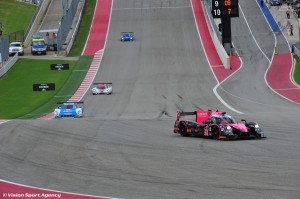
(40, 3)
(8, 65)
(66, 23)
(4, 48)
(296, 49)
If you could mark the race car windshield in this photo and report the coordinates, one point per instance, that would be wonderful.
(228, 120)
(67, 106)
(101, 87)
(222, 120)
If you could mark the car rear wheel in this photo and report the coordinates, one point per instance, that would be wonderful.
(215, 133)
(182, 130)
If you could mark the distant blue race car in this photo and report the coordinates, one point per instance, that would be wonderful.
(69, 109)
(126, 36)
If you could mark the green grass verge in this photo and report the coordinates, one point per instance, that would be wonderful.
(15, 15)
(84, 28)
(16, 93)
(66, 91)
(296, 74)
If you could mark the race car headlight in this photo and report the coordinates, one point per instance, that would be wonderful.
(94, 90)
(79, 112)
(256, 126)
(228, 130)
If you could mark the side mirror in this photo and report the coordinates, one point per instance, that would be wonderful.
(243, 120)
(209, 121)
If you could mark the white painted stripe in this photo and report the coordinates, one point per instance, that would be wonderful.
(217, 66)
(22, 185)
(4, 121)
(162, 7)
(286, 89)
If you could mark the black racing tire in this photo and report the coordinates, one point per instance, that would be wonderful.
(214, 133)
(182, 130)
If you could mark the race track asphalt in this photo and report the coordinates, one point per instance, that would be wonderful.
(124, 147)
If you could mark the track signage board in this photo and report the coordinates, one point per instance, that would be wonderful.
(225, 8)
(43, 87)
(59, 66)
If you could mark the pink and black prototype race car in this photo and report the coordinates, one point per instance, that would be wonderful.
(216, 125)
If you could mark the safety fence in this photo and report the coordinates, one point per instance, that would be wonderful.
(7, 65)
(33, 19)
(66, 23)
(4, 46)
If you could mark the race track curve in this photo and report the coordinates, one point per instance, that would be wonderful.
(124, 146)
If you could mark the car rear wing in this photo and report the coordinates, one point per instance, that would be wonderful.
(179, 114)
(109, 84)
(127, 32)
(80, 102)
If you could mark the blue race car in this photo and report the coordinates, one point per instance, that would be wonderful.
(126, 36)
(69, 109)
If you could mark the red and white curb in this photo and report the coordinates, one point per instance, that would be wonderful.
(86, 83)
(90, 76)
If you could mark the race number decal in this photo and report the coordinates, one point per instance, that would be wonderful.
(206, 132)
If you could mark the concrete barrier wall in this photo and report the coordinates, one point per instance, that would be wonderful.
(296, 50)
(219, 47)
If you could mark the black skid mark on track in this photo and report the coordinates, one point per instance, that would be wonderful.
(179, 96)
(196, 106)
(178, 105)
(164, 112)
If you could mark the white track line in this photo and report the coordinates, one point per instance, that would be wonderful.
(62, 192)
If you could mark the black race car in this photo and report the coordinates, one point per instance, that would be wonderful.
(216, 125)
